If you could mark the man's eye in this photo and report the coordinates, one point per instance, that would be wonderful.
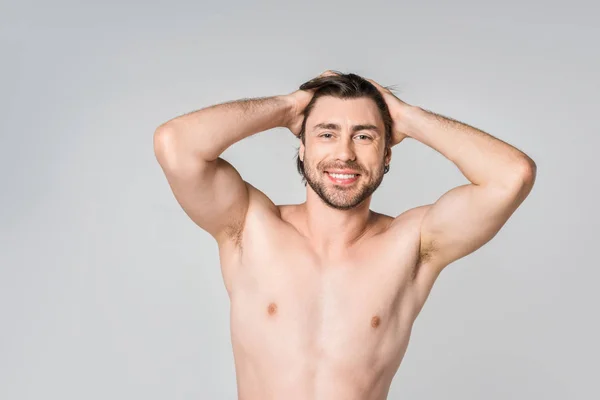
(327, 134)
(363, 137)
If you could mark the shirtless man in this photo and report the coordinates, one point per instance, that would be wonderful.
(324, 293)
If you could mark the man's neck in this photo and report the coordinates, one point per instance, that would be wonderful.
(333, 231)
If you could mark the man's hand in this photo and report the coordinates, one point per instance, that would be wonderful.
(399, 111)
(298, 101)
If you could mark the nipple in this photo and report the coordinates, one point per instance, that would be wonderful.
(375, 321)
(272, 309)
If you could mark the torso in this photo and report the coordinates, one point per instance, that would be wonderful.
(307, 327)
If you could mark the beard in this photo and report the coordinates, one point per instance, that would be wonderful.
(338, 196)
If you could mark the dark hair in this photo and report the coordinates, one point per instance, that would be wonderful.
(343, 86)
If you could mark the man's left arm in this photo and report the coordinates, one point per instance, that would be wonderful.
(467, 217)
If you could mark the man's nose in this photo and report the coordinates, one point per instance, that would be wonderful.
(345, 149)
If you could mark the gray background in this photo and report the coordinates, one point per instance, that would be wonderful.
(107, 290)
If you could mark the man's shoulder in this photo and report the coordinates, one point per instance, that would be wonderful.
(412, 217)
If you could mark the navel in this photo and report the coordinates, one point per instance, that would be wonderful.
(272, 309)
(375, 321)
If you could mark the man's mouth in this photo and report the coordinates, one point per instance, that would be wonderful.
(342, 178)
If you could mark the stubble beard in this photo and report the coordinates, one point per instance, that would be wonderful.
(337, 196)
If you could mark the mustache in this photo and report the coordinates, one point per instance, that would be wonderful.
(351, 165)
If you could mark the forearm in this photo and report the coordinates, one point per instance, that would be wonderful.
(482, 158)
(206, 133)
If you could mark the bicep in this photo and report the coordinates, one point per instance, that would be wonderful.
(212, 194)
(464, 219)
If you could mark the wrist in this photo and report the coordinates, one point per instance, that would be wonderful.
(408, 117)
(288, 105)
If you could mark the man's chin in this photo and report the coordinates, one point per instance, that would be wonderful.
(334, 195)
(343, 206)
(346, 201)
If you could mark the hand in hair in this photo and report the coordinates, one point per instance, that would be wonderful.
(298, 102)
(398, 110)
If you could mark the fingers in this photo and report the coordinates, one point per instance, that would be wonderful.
(382, 89)
(377, 85)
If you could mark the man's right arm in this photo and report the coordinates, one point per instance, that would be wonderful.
(208, 188)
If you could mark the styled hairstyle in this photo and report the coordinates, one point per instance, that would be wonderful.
(343, 86)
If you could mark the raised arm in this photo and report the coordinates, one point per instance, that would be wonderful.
(468, 216)
(208, 188)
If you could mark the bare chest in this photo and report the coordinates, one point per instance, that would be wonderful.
(289, 303)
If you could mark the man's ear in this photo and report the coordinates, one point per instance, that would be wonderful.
(388, 155)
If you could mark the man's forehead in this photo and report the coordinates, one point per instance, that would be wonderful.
(333, 113)
(365, 104)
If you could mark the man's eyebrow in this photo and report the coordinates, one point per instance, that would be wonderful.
(355, 128)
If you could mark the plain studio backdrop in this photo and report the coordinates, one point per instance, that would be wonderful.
(109, 291)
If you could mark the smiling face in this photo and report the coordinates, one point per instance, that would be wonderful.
(344, 150)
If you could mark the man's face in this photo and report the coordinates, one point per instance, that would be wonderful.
(344, 150)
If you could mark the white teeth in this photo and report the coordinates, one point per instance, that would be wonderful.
(343, 176)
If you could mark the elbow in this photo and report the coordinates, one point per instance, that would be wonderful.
(523, 177)
(527, 171)
(167, 148)
(162, 142)
(175, 145)
(173, 153)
